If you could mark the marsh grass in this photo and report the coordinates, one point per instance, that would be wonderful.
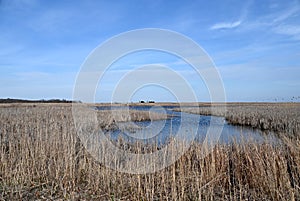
(41, 158)
(283, 118)
(108, 119)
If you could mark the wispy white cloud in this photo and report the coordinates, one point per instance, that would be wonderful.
(226, 25)
(289, 30)
(279, 22)
(287, 13)
(281, 26)
(237, 23)
(281, 16)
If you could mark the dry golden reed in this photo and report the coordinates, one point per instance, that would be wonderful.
(41, 158)
(277, 117)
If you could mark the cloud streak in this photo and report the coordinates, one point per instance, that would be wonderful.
(289, 30)
(226, 25)
(287, 14)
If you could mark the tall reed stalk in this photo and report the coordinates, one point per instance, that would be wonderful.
(41, 158)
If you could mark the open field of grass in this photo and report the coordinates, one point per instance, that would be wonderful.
(42, 158)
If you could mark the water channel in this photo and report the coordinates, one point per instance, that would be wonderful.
(183, 125)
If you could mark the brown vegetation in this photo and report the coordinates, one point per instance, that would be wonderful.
(283, 118)
(108, 119)
(40, 158)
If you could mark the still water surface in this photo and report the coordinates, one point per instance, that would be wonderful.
(182, 125)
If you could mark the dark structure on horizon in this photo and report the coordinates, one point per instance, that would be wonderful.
(150, 101)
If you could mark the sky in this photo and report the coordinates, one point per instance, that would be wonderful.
(255, 46)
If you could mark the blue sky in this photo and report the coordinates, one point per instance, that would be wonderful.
(255, 45)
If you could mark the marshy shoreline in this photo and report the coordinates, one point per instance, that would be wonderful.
(42, 158)
(280, 118)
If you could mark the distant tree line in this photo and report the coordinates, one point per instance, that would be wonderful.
(10, 100)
